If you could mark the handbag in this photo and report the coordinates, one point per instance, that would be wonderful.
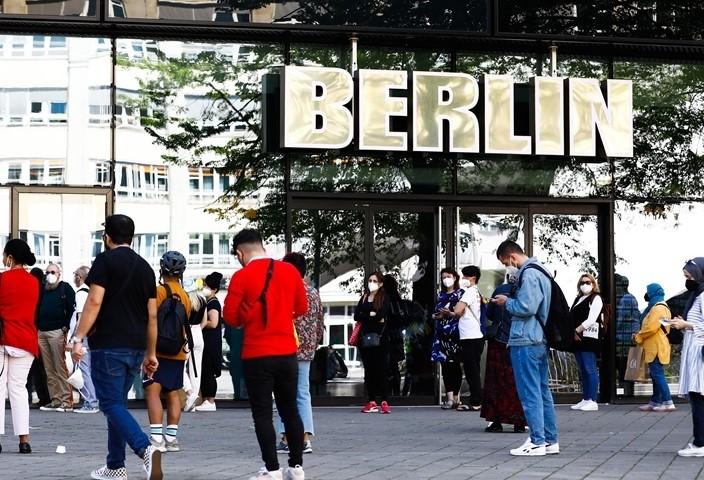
(370, 340)
(636, 370)
(354, 336)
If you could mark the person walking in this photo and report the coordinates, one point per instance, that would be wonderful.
(501, 403)
(58, 301)
(310, 328)
(445, 348)
(691, 361)
(628, 321)
(19, 296)
(372, 311)
(652, 336)
(264, 297)
(585, 314)
(36, 380)
(90, 401)
(212, 344)
(120, 314)
(193, 371)
(168, 377)
(471, 337)
(528, 307)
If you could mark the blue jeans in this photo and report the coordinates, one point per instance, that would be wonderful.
(88, 391)
(113, 371)
(305, 409)
(661, 390)
(588, 373)
(530, 369)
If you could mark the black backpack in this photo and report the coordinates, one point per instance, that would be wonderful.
(172, 320)
(557, 328)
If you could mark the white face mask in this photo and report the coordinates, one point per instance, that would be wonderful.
(586, 289)
(206, 291)
(448, 281)
(464, 283)
(51, 279)
(373, 287)
(511, 271)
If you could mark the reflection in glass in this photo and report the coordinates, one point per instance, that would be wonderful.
(54, 110)
(61, 8)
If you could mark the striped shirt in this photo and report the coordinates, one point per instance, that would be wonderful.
(691, 364)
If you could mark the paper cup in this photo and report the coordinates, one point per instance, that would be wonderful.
(60, 449)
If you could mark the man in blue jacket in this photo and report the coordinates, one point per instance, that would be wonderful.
(529, 308)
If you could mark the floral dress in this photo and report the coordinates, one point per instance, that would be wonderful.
(446, 338)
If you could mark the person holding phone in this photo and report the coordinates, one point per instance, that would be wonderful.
(652, 336)
(446, 338)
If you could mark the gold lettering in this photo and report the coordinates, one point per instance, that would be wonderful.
(589, 112)
(441, 96)
(548, 116)
(376, 107)
(498, 118)
(314, 100)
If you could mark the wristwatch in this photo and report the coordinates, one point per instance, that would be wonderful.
(76, 339)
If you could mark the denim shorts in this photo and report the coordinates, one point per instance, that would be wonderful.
(169, 375)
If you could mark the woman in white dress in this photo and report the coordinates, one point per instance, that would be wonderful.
(691, 363)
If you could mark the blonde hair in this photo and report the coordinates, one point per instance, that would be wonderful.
(197, 300)
(591, 278)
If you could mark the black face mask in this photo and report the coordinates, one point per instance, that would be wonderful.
(647, 297)
(691, 285)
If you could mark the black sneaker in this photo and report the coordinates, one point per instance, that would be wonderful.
(494, 427)
(282, 448)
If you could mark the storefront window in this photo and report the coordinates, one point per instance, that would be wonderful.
(60, 8)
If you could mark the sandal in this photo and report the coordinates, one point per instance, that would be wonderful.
(447, 405)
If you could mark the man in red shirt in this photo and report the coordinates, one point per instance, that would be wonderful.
(264, 297)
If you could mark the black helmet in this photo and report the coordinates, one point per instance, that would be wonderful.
(173, 263)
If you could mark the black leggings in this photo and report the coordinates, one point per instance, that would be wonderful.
(471, 358)
(208, 380)
(279, 375)
(452, 376)
(376, 378)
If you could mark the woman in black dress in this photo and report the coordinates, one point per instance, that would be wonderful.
(212, 344)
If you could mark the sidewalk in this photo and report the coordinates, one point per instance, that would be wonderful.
(411, 443)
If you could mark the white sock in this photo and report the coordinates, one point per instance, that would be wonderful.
(170, 433)
(156, 430)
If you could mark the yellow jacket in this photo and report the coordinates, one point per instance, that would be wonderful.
(651, 337)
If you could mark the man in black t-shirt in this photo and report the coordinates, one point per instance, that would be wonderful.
(119, 318)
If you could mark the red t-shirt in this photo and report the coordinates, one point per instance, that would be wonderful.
(286, 298)
(19, 295)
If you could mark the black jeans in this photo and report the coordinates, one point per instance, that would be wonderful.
(36, 379)
(452, 376)
(278, 375)
(208, 380)
(376, 377)
(471, 358)
(697, 402)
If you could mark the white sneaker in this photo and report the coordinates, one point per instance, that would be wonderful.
(691, 451)
(152, 463)
(552, 448)
(105, 473)
(579, 405)
(190, 402)
(589, 406)
(528, 449)
(265, 474)
(206, 406)
(294, 473)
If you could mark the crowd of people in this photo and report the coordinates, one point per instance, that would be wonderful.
(120, 323)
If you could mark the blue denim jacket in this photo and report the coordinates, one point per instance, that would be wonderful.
(530, 302)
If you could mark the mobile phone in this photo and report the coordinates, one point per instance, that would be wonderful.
(664, 322)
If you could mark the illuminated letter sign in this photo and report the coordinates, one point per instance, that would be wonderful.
(565, 114)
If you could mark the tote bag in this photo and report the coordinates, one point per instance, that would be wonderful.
(636, 369)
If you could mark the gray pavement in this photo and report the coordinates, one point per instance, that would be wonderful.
(411, 443)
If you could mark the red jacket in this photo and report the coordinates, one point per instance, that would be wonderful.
(19, 295)
(286, 299)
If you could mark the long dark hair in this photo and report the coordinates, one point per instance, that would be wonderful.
(379, 295)
(454, 274)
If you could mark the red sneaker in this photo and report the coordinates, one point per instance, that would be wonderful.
(385, 407)
(370, 407)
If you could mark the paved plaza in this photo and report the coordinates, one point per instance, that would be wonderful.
(411, 443)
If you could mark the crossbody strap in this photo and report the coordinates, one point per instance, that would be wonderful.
(262, 296)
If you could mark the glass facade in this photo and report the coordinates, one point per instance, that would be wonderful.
(172, 133)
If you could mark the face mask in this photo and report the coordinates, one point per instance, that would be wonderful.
(464, 283)
(206, 292)
(690, 285)
(646, 297)
(448, 282)
(585, 289)
(373, 287)
(511, 271)
(51, 279)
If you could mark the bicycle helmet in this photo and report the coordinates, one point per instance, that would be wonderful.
(173, 263)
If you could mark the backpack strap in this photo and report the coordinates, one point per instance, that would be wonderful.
(262, 296)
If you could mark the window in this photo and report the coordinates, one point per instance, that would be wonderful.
(46, 245)
(201, 249)
(58, 107)
(97, 241)
(151, 246)
(14, 172)
(102, 173)
(206, 183)
(142, 181)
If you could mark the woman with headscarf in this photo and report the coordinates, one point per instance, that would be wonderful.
(691, 363)
(652, 336)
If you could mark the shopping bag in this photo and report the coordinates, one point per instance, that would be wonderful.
(354, 336)
(636, 369)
